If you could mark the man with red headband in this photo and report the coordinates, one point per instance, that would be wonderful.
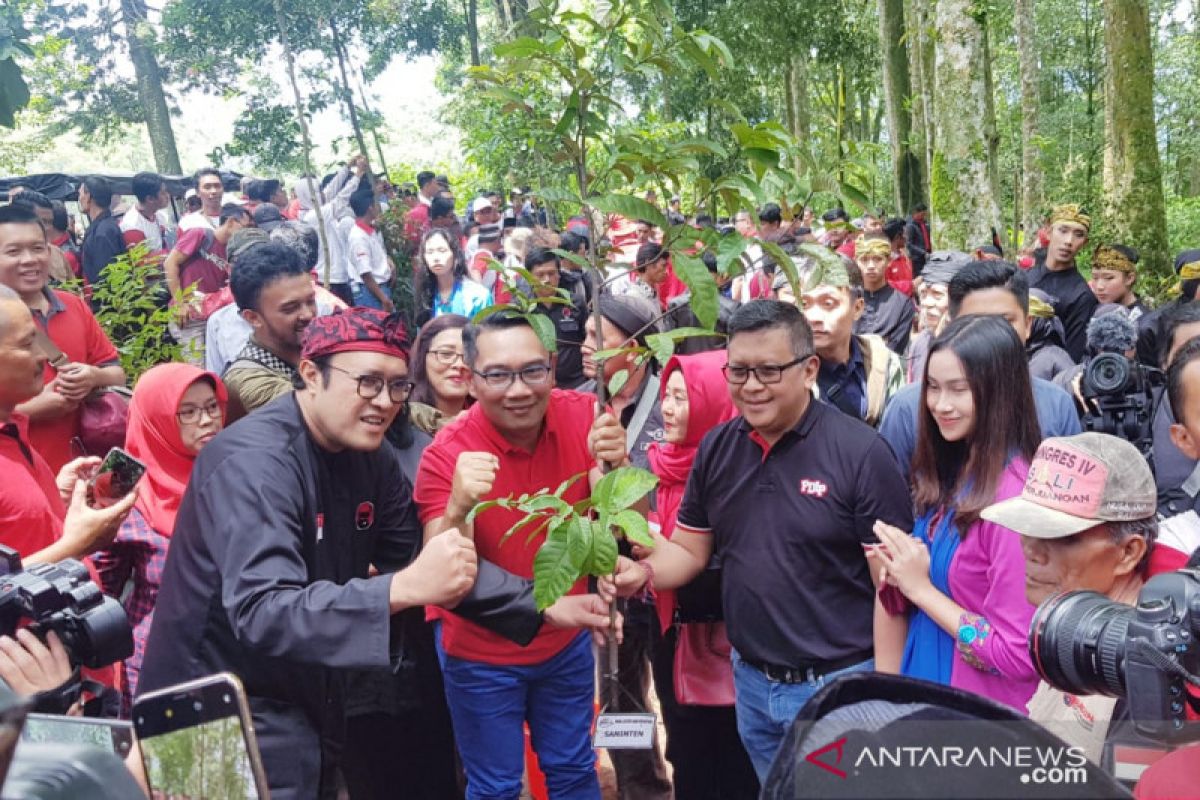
(270, 573)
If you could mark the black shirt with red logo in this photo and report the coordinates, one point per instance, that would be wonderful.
(790, 522)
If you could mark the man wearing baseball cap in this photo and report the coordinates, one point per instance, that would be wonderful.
(1087, 523)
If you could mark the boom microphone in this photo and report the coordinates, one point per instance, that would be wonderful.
(1111, 332)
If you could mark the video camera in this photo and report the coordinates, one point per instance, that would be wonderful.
(62, 598)
(1084, 643)
(1120, 394)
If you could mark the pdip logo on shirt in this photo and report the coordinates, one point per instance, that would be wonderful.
(364, 516)
(812, 487)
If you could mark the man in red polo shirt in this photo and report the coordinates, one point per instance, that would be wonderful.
(520, 436)
(93, 362)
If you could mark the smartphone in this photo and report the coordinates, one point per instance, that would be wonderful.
(197, 740)
(113, 735)
(116, 477)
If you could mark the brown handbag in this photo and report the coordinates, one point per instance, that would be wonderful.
(104, 414)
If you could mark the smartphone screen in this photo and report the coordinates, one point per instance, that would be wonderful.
(118, 474)
(194, 743)
(115, 736)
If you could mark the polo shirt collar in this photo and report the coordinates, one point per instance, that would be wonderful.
(854, 362)
(364, 227)
(550, 426)
(56, 305)
(17, 429)
(803, 427)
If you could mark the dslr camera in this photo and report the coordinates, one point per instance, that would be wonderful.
(1122, 396)
(62, 598)
(1084, 643)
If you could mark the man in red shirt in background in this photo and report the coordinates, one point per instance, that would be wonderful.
(520, 436)
(899, 269)
(92, 361)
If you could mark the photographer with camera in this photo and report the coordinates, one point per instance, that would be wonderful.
(1086, 519)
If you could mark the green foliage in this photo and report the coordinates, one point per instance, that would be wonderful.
(14, 92)
(129, 308)
(580, 539)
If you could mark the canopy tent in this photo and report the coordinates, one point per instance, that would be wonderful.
(59, 186)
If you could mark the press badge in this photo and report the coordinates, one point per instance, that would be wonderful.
(625, 731)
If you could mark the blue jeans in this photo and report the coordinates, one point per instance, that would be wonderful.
(364, 299)
(490, 703)
(766, 709)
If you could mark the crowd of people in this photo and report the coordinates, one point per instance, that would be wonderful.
(883, 468)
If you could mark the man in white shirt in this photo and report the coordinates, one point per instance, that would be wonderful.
(140, 223)
(367, 259)
(211, 190)
(335, 204)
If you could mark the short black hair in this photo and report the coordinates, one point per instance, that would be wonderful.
(361, 202)
(571, 242)
(1173, 318)
(100, 189)
(647, 254)
(232, 211)
(1176, 392)
(710, 261)
(423, 179)
(260, 266)
(836, 214)
(33, 199)
(146, 185)
(61, 217)
(770, 213)
(200, 173)
(19, 214)
(893, 228)
(704, 221)
(760, 315)
(979, 275)
(919, 207)
(441, 207)
(500, 321)
(541, 255)
(262, 191)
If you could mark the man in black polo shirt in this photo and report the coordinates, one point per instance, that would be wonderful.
(786, 496)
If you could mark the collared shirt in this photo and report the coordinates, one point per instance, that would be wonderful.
(1074, 303)
(466, 298)
(888, 313)
(788, 525)
(365, 253)
(136, 228)
(198, 219)
(561, 452)
(845, 385)
(31, 512)
(73, 328)
(258, 376)
(102, 243)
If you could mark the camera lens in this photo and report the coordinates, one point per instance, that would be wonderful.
(1077, 643)
(1107, 373)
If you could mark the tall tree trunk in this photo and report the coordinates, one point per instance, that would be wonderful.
(798, 101)
(990, 130)
(1031, 154)
(150, 88)
(473, 31)
(921, 62)
(1133, 207)
(898, 96)
(962, 182)
(339, 47)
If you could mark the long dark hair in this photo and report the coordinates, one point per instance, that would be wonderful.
(426, 281)
(964, 475)
(422, 390)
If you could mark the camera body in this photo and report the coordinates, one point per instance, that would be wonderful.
(63, 598)
(1084, 643)
(1120, 395)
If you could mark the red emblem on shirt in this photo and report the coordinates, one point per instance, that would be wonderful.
(364, 516)
(813, 487)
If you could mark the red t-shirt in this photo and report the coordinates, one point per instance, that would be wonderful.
(31, 513)
(74, 330)
(208, 274)
(899, 274)
(561, 452)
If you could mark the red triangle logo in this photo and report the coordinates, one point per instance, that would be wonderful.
(838, 748)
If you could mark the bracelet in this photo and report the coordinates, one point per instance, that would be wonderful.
(647, 592)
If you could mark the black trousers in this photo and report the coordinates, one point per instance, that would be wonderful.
(703, 745)
(641, 774)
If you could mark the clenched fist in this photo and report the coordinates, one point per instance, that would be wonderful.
(441, 575)
(474, 476)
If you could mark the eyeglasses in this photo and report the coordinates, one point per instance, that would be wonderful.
(190, 415)
(446, 356)
(370, 386)
(534, 375)
(766, 373)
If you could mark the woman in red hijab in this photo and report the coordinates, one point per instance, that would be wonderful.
(692, 671)
(176, 410)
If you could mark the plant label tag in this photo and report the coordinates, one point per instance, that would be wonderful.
(625, 731)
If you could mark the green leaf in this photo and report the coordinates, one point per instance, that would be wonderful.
(617, 382)
(729, 249)
(702, 284)
(546, 502)
(543, 326)
(574, 258)
(558, 563)
(855, 196)
(828, 267)
(555, 195)
(663, 347)
(503, 502)
(521, 47)
(603, 558)
(622, 488)
(634, 526)
(630, 208)
(568, 483)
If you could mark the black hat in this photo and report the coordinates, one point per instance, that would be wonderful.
(268, 216)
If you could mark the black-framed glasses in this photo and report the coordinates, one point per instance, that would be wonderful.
(534, 375)
(765, 373)
(447, 355)
(191, 414)
(370, 386)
